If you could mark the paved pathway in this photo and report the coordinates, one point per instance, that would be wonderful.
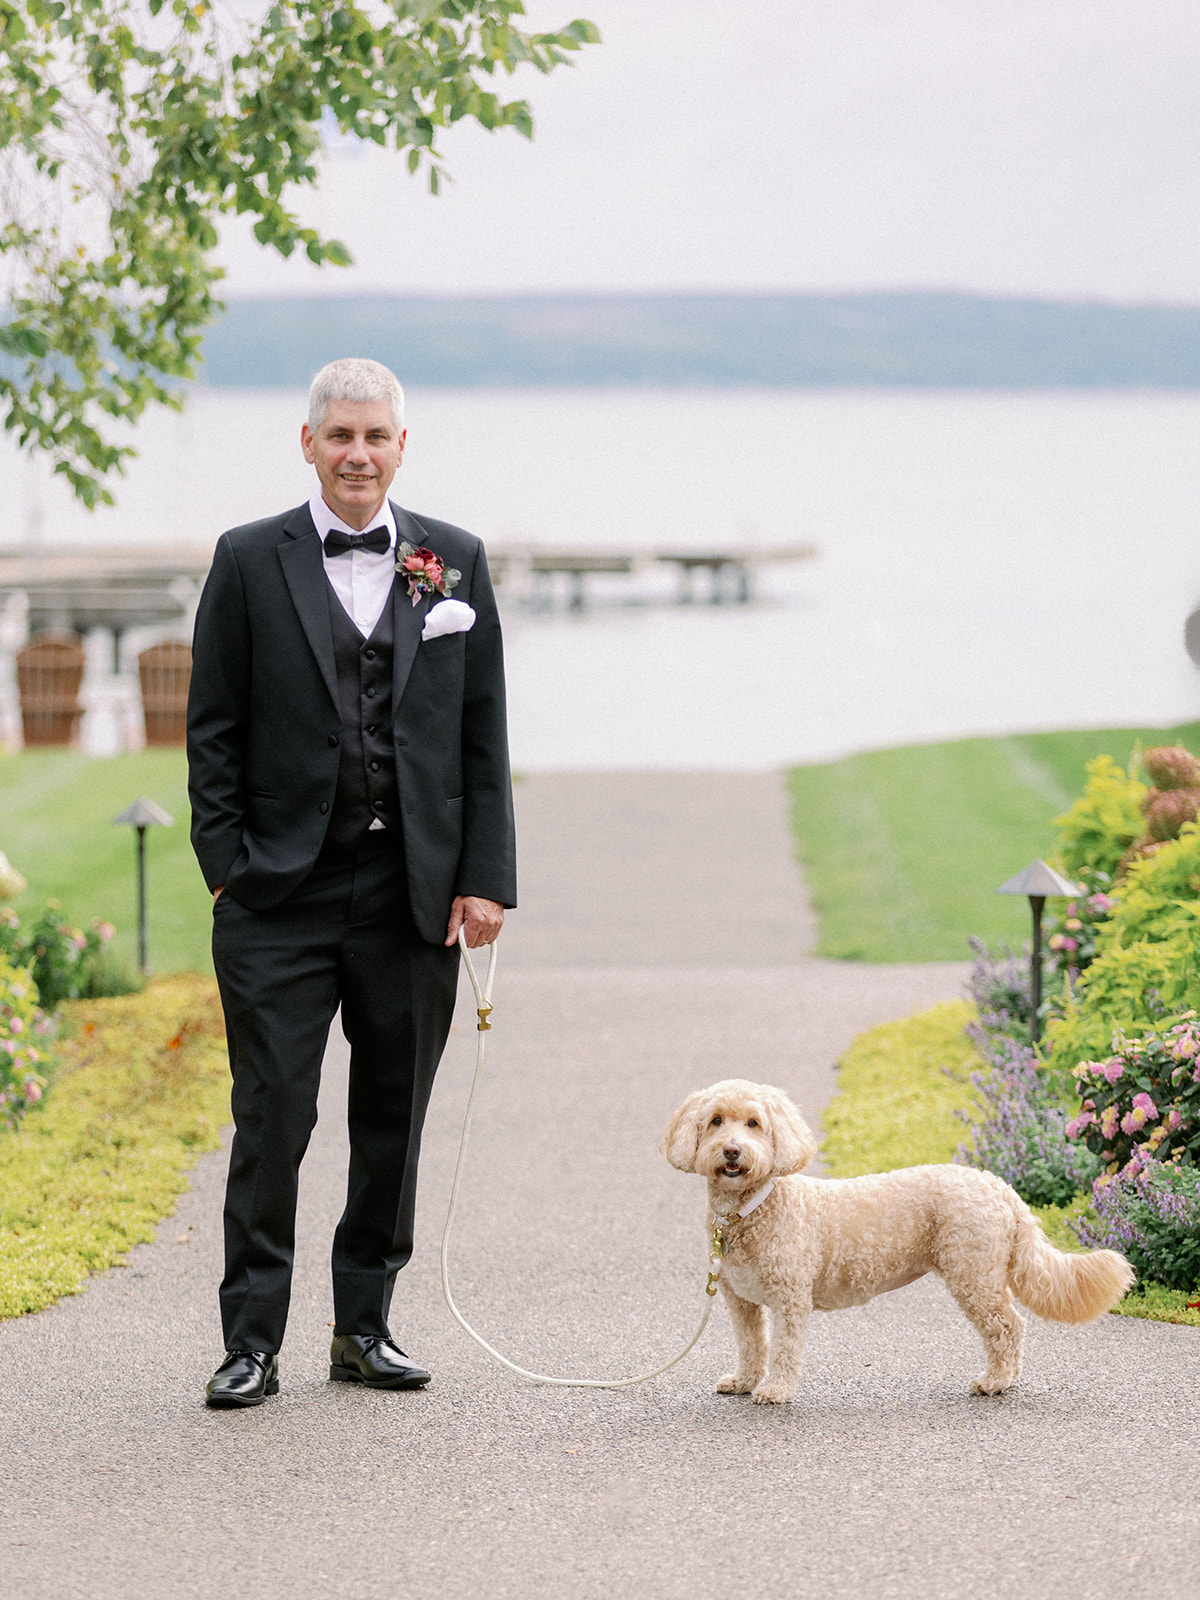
(660, 945)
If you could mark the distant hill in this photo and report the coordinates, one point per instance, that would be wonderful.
(893, 340)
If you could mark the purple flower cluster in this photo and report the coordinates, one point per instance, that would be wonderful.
(1150, 1212)
(1022, 1134)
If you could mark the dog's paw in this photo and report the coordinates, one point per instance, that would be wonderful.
(732, 1384)
(989, 1384)
(773, 1394)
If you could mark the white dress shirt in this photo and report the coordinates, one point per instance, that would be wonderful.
(361, 579)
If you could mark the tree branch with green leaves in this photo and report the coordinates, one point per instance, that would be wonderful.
(128, 130)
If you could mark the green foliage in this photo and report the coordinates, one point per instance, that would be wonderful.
(24, 1031)
(141, 1088)
(1099, 827)
(128, 132)
(1147, 965)
(900, 1088)
(903, 848)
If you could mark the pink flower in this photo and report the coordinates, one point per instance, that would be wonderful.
(1174, 1120)
(1076, 1126)
(1142, 1111)
(1113, 1069)
(1185, 1047)
(1109, 1122)
(16, 1024)
(1100, 904)
(33, 1092)
(1057, 942)
(106, 931)
(1073, 924)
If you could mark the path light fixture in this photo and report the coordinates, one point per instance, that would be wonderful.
(1039, 881)
(143, 814)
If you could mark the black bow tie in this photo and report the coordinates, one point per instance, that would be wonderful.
(376, 539)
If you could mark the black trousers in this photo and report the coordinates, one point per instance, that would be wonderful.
(345, 937)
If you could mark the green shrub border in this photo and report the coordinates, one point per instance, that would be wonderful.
(141, 1088)
(900, 1087)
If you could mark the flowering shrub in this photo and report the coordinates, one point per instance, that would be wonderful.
(1022, 1134)
(999, 985)
(23, 1031)
(1022, 1138)
(67, 963)
(1151, 1214)
(1071, 942)
(1143, 1101)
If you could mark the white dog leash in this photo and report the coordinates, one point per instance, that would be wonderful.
(483, 1003)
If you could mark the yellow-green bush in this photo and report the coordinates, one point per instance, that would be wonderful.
(895, 1105)
(1147, 965)
(1104, 821)
(141, 1088)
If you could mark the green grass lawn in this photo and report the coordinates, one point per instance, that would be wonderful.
(903, 849)
(56, 811)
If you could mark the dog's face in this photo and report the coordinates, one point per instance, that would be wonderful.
(738, 1134)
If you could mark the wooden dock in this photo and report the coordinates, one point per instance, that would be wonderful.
(731, 574)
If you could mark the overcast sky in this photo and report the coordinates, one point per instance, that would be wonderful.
(1043, 147)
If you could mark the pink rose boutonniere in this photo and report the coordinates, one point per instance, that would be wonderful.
(425, 572)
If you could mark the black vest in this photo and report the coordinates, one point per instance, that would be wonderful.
(366, 785)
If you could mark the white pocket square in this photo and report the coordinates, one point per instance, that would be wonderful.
(451, 616)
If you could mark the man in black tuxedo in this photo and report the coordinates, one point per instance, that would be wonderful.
(351, 810)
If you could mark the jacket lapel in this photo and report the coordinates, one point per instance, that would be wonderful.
(304, 571)
(407, 619)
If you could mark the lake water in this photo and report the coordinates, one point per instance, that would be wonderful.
(988, 562)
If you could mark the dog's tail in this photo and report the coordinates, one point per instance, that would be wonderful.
(1063, 1287)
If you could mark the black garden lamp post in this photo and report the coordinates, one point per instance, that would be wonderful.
(143, 814)
(1038, 881)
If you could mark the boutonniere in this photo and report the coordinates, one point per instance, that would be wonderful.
(425, 572)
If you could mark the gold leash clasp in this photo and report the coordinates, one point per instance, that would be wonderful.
(717, 1249)
(485, 1011)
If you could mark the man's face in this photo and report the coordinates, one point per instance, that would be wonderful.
(356, 452)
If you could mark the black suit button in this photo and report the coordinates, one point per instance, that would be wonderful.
(324, 807)
(370, 655)
(370, 727)
(370, 694)
(333, 739)
(374, 766)
(378, 805)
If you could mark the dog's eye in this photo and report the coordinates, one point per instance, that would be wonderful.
(753, 1122)
(716, 1122)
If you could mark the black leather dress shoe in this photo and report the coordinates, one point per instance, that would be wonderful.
(377, 1362)
(244, 1378)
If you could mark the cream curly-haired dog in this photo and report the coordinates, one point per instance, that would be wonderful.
(795, 1245)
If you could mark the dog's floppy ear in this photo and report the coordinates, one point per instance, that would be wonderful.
(682, 1138)
(793, 1139)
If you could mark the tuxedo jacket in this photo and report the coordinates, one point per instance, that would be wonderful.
(264, 726)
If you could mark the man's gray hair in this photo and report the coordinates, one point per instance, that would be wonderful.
(354, 378)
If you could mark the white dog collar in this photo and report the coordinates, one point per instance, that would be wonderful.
(755, 1200)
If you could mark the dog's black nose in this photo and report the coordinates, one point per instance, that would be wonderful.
(732, 1152)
